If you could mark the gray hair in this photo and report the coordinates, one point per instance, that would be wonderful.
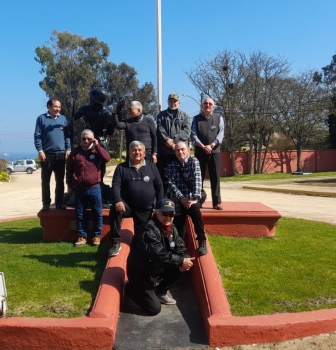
(136, 143)
(86, 132)
(185, 143)
(136, 104)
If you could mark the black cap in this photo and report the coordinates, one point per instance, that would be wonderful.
(166, 205)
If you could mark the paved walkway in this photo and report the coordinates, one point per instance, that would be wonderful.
(22, 196)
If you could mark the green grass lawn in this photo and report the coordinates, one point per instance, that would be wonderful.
(292, 272)
(47, 279)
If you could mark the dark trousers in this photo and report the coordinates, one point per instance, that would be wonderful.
(84, 199)
(140, 217)
(196, 217)
(55, 162)
(163, 165)
(141, 288)
(213, 162)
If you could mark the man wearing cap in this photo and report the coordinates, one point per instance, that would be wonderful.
(173, 125)
(157, 255)
(185, 185)
(207, 132)
(136, 187)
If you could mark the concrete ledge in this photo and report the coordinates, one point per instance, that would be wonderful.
(97, 331)
(60, 225)
(240, 219)
(223, 329)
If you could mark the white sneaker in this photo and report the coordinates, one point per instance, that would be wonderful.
(165, 299)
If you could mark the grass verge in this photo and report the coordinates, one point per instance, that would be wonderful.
(48, 279)
(292, 272)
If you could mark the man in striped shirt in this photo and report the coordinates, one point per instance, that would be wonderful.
(185, 185)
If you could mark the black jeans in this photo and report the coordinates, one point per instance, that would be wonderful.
(55, 162)
(141, 287)
(213, 162)
(140, 217)
(163, 165)
(196, 217)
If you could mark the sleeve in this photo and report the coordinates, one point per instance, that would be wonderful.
(116, 184)
(184, 130)
(220, 135)
(158, 185)
(38, 135)
(79, 113)
(103, 153)
(153, 135)
(162, 135)
(194, 136)
(172, 179)
(120, 125)
(197, 180)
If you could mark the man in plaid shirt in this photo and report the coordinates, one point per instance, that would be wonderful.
(185, 183)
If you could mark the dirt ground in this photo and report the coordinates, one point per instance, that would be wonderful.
(22, 197)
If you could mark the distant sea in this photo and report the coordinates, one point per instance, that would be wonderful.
(19, 155)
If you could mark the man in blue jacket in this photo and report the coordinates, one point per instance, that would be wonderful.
(136, 186)
(52, 142)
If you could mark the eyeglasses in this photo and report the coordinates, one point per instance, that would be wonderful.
(168, 213)
(86, 139)
(208, 103)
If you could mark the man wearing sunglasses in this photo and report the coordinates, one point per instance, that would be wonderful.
(83, 177)
(207, 132)
(156, 261)
(136, 186)
(185, 185)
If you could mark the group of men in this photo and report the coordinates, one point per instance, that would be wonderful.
(158, 165)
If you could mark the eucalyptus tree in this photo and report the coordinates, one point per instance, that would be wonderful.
(303, 109)
(72, 65)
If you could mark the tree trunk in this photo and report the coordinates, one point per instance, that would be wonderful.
(233, 162)
(299, 154)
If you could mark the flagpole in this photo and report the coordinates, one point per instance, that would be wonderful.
(159, 56)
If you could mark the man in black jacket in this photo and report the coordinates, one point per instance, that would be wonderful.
(157, 253)
(136, 185)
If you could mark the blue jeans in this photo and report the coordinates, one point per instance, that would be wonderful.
(85, 199)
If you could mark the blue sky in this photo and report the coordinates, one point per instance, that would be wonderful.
(302, 31)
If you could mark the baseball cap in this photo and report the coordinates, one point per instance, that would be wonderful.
(166, 205)
(174, 96)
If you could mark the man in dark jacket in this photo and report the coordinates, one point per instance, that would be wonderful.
(138, 128)
(157, 253)
(83, 176)
(207, 132)
(173, 125)
(136, 185)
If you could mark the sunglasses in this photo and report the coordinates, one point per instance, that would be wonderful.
(208, 103)
(86, 139)
(168, 213)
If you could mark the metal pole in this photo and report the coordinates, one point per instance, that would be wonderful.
(159, 56)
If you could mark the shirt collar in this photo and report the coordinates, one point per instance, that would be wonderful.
(185, 161)
(206, 117)
(131, 165)
(50, 116)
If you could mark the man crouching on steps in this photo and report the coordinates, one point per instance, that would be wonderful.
(157, 254)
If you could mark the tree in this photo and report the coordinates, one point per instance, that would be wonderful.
(303, 108)
(73, 65)
(328, 78)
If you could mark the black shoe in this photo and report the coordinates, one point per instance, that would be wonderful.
(60, 206)
(45, 208)
(114, 250)
(202, 248)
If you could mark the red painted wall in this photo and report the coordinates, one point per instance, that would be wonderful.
(282, 161)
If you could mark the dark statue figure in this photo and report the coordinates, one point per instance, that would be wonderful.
(98, 118)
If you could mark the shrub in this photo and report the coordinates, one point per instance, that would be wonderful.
(4, 177)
